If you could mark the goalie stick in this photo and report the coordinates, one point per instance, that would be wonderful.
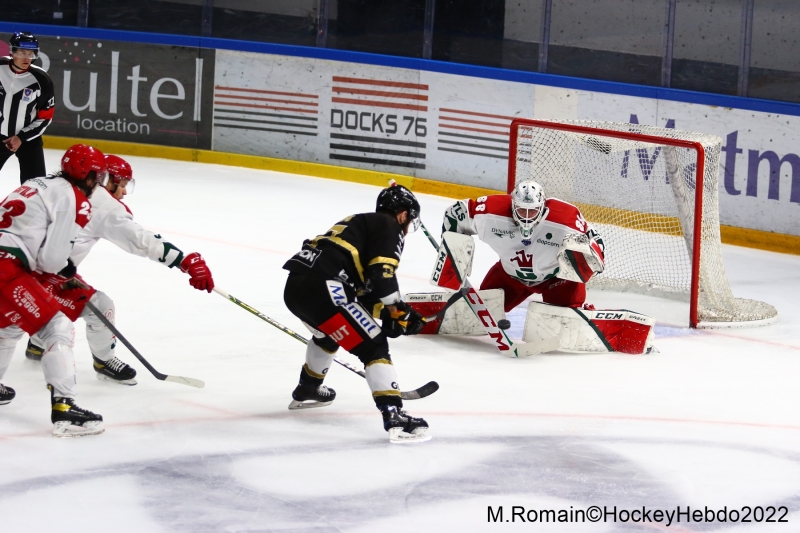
(163, 377)
(426, 390)
(502, 341)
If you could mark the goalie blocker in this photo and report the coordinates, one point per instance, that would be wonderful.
(590, 330)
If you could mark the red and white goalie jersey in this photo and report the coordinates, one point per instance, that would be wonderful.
(113, 221)
(40, 220)
(531, 260)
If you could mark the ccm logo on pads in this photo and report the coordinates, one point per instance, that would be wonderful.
(608, 316)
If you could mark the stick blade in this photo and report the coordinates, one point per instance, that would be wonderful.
(422, 392)
(526, 349)
(186, 381)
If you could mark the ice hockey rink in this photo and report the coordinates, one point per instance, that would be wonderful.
(711, 421)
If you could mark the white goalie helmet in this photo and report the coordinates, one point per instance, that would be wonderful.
(527, 206)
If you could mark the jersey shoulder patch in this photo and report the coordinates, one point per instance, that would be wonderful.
(565, 214)
(83, 208)
(495, 204)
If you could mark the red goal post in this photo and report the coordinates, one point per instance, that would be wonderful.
(589, 161)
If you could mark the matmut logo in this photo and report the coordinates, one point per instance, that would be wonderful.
(26, 300)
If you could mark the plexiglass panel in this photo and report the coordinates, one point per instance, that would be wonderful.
(377, 26)
(615, 40)
(183, 17)
(59, 12)
(775, 56)
(707, 45)
(272, 21)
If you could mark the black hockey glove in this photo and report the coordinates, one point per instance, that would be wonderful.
(404, 321)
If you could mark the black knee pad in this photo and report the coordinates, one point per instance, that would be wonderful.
(372, 351)
(326, 343)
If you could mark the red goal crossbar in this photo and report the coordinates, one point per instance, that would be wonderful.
(698, 202)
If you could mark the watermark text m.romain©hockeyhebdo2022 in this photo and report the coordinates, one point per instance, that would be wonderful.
(641, 515)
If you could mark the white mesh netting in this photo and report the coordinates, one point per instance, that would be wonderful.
(640, 196)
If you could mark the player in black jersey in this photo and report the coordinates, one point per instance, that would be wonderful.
(338, 284)
(27, 103)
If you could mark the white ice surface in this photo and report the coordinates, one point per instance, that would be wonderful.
(712, 420)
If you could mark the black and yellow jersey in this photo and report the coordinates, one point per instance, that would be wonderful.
(361, 250)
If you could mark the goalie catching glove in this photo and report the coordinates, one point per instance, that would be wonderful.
(580, 257)
(199, 273)
(402, 320)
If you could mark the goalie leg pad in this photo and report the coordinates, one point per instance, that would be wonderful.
(595, 331)
(459, 318)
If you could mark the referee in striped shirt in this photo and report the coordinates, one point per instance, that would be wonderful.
(27, 103)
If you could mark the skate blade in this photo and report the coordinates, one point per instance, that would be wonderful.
(3, 402)
(129, 382)
(67, 429)
(307, 404)
(398, 436)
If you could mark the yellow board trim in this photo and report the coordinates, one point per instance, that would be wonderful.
(750, 238)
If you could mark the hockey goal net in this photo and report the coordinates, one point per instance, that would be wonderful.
(642, 188)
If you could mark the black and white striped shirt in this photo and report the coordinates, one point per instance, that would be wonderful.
(27, 101)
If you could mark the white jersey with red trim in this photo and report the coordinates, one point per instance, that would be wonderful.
(40, 220)
(532, 260)
(113, 221)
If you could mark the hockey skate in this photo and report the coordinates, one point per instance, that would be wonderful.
(114, 370)
(69, 420)
(305, 397)
(6, 394)
(33, 352)
(403, 427)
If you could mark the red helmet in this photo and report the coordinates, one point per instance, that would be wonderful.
(80, 159)
(118, 169)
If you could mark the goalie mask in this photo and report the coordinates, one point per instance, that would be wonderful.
(527, 206)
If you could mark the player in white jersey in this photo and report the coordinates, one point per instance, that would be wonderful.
(527, 231)
(113, 221)
(38, 223)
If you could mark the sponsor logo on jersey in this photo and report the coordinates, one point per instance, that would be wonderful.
(336, 291)
(26, 95)
(547, 243)
(26, 300)
(525, 263)
(307, 256)
(341, 331)
(65, 302)
(364, 319)
(503, 233)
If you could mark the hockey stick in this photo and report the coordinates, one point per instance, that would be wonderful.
(502, 341)
(163, 377)
(426, 390)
